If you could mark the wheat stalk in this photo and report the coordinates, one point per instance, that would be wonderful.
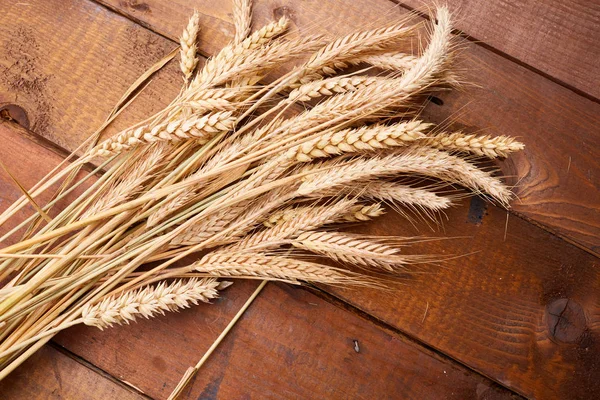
(242, 18)
(353, 249)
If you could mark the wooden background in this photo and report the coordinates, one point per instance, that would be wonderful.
(519, 316)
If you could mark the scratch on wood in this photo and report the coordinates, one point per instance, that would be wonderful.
(506, 226)
(425, 314)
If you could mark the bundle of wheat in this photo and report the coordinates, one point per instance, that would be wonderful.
(242, 172)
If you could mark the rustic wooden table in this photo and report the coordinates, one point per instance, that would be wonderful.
(518, 316)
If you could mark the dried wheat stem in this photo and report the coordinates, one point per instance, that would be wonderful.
(187, 43)
(201, 128)
(312, 219)
(356, 213)
(488, 146)
(396, 193)
(338, 53)
(149, 301)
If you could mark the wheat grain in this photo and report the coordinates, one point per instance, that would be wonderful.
(330, 86)
(416, 160)
(336, 54)
(352, 249)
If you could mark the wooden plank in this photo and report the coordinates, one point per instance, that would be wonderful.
(66, 66)
(287, 330)
(560, 39)
(556, 173)
(536, 240)
(519, 304)
(289, 344)
(50, 374)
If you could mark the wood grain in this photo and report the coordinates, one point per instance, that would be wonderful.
(289, 344)
(67, 64)
(50, 374)
(519, 304)
(556, 174)
(561, 39)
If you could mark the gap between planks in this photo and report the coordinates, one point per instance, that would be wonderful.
(123, 384)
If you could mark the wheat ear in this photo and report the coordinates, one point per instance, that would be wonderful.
(289, 270)
(416, 160)
(201, 128)
(366, 138)
(356, 213)
(187, 43)
(149, 301)
(242, 18)
(488, 146)
(353, 249)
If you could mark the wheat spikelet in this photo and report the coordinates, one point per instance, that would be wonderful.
(361, 213)
(356, 213)
(265, 34)
(366, 138)
(187, 43)
(242, 18)
(229, 65)
(416, 160)
(201, 128)
(352, 249)
(491, 147)
(149, 301)
(272, 267)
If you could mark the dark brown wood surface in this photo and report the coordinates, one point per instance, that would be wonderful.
(522, 308)
(51, 374)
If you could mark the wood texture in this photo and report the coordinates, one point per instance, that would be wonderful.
(66, 64)
(289, 344)
(519, 304)
(50, 374)
(524, 311)
(559, 39)
(555, 174)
